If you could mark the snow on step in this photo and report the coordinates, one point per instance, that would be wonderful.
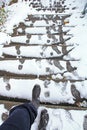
(38, 67)
(60, 119)
(48, 16)
(43, 23)
(40, 30)
(33, 51)
(45, 30)
(42, 52)
(51, 91)
(32, 67)
(38, 39)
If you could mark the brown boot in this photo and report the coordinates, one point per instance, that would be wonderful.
(35, 95)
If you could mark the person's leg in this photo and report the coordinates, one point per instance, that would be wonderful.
(22, 116)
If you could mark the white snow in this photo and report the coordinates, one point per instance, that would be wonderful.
(61, 119)
(37, 39)
(4, 38)
(2, 110)
(31, 51)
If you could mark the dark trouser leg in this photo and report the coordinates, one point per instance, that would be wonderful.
(21, 118)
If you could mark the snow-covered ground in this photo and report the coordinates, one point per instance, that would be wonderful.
(59, 119)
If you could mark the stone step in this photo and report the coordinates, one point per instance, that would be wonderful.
(42, 23)
(31, 45)
(9, 104)
(62, 115)
(38, 52)
(37, 66)
(50, 16)
(40, 39)
(56, 9)
(40, 31)
(51, 91)
(37, 30)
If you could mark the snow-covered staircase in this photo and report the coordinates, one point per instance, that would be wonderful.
(39, 52)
